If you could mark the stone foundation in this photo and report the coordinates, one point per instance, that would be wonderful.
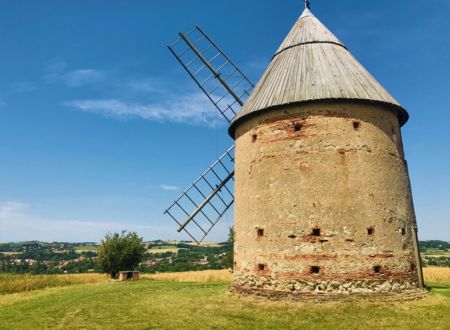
(326, 290)
(413, 294)
(270, 283)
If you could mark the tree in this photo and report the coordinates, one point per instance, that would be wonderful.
(38, 268)
(120, 252)
(229, 257)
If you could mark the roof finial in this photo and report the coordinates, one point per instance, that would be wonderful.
(307, 4)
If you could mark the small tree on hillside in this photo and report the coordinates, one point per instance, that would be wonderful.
(119, 252)
(229, 257)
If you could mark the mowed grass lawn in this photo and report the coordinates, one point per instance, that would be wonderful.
(164, 304)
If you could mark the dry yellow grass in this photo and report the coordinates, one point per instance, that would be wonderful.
(431, 274)
(201, 276)
(85, 278)
(11, 253)
(436, 274)
(84, 250)
(205, 244)
(156, 251)
(20, 283)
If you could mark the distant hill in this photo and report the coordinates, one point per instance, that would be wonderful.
(61, 257)
(162, 256)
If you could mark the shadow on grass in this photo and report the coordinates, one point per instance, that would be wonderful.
(442, 289)
(437, 285)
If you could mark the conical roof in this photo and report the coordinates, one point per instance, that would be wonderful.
(313, 65)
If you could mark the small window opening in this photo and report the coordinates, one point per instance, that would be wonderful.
(315, 269)
(377, 269)
(261, 267)
(254, 138)
(316, 232)
(292, 236)
(260, 232)
(297, 127)
(356, 125)
(403, 231)
(370, 231)
(413, 266)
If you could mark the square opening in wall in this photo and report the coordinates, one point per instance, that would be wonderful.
(316, 232)
(261, 267)
(377, 269)
(297, 127)
(260, 232)
(403, 231)
(314, 270)
(254, 138)
(370, 231)
(356, 125)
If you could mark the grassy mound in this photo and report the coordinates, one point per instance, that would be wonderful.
(157, 304)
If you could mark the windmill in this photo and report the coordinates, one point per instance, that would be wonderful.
(322, 196)
(209, 197)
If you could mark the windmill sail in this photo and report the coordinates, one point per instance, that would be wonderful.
(205, 202)
(202, 205)
(213, 71)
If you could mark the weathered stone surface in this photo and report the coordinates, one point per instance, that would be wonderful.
(328, 186)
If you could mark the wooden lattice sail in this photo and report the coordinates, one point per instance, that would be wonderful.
(207, 200)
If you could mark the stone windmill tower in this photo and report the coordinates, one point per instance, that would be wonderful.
(322, 196)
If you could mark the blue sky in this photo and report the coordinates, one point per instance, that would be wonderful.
(100, 129)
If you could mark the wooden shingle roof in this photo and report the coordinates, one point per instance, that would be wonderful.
(313, 65)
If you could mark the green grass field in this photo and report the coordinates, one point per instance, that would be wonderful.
(435, 252)
(163, 247)
(155, 304)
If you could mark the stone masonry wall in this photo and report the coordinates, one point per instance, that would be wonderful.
(323, 202)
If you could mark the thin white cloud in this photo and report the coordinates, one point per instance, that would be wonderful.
(257, 65)
(10, 208)
(169, 187)
(144, 86)
(192, 109)
(58, 72)
(17, 223)
(24, 87)
(55, 71)
(131, 97)
(82, 77)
